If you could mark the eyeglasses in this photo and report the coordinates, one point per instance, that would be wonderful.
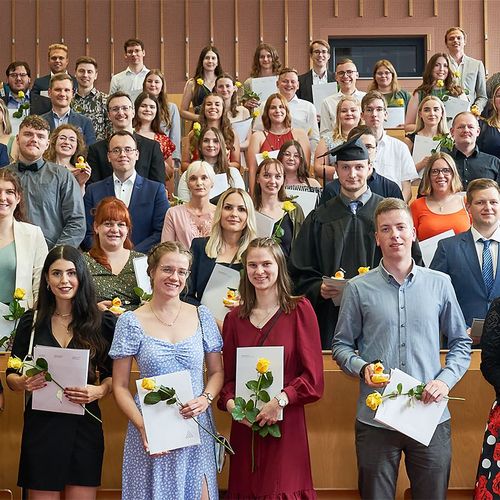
(383, 73)
(170, 271)
(349, 72)
(18, 75)
(64, 138)
(320, 52)
(116, 109)
(445, 171)
(118, 151)
(371, 110)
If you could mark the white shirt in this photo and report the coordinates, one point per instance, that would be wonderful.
(329, 111)
(394, 160)
(123, 190)
(129, 82)
(317, 80)
(495, 240)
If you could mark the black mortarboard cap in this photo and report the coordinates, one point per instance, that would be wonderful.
(351, 150)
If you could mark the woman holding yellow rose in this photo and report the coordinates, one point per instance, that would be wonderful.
(271, 199)
(270, 316)
(385, 80)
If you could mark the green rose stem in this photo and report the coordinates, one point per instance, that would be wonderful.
(40, 366)
(278, 233)
(256, 399)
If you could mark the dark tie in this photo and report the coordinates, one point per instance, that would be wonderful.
(354, 205)
(488, 275)
(23, 167)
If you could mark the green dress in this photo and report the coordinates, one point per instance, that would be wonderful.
(109, 285)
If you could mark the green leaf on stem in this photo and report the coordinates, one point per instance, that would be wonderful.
(274, 430)
(237, 413)
(252, 385)
(171, 401)
(267, 380)
(252, 415)
(250, 405)
(400, 388)
(152, 398)
(33, 371)
(42, 364)
(264, 396)
(48, 377)
(264, 431)
(240, 402)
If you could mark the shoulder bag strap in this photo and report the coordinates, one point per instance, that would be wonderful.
(275, 319)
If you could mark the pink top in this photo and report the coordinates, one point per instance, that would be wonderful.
(182, 225)
(428, 223)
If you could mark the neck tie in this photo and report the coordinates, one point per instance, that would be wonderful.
(488, 275)
(354, 205)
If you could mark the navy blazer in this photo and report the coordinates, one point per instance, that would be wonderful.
(39, 104)
(147, 208)
(306, 83)
(4, 155)
(78, 120)
(43, 82)
(150, 163)
(457, 257)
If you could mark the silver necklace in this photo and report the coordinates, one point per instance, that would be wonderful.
(164, 322)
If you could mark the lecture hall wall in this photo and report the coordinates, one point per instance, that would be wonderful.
(174, 31)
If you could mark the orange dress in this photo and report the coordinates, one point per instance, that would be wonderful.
(428, 223)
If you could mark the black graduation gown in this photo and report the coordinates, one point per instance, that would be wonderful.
(332, 237)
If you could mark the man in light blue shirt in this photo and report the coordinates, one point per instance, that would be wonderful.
(396, 313)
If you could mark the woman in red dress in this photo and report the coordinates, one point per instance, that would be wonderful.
(270, 316)
(277, 122)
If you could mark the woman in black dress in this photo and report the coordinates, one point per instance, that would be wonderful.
(62, 452)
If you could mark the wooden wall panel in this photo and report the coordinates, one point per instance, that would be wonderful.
(148, 26)
(99, 44)
(224, 32)
(248, 15)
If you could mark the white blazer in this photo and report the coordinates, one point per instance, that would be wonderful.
(31, 250)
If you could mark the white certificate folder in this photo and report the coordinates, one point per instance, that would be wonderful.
(69, 367)
(246, 362)
(165, 428)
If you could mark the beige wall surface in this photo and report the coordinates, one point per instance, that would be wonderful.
(174, 31)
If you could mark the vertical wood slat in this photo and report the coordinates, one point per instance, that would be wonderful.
(435, 9)
(211, 20)
(335, 8)
(361, 8)
(136, 17)
(236, 41)
(460, 13)
(162, 38)
(61, 22)
(37, 38)
(112, 35)
(286, 31)
(485, 31)
(310, 18)
(410, 8)
(186, 39)
(386, 8)
(261, 21)
(13, 30)
(87, 38)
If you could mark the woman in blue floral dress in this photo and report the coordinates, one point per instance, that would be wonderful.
(166, 336)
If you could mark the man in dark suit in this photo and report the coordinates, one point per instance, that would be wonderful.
(150, 163)
(470, 262)
(146, 200)
(319, 51)
(19, 78)
(61, 94)
(58, 63)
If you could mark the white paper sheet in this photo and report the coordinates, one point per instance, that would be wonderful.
(70, 368)
(337, 283)
(264, 86)
(428, 247)
(5, 325)
(220, 185)
(422, 147)
(264, 225)
(272, 154)
(141, 273)
(477, 330)
(220, 280)
(321, 92)
(165, 428)
(454, 105)
(395, 117)
(246, 361)
(416, 419)
(306, 199)
(242, 128)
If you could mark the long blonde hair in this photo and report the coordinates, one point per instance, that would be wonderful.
(215, 241)
(442, 125)
(337, 128)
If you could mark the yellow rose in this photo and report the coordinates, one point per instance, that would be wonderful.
(456, 74)
(440, 83)
(400, 102)
(363, 270)
(255, 113)
(199, 81)
(20, 94)
(262, 365)
(196, 126)
(373, 400)
(378, 378)
(475, 110)
(237, 84)
(148, 384)
(288, 206)
(19, 294)
(378, 368)
(15, 363)
(116, 302)
(265, 155)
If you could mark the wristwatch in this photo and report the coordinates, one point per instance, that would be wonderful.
(281, 400)
(209, 397)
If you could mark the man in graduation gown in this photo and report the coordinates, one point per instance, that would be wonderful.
(338, 235)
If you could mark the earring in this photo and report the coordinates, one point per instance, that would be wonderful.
(48, 287)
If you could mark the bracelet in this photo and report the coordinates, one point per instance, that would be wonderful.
(209, 397)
